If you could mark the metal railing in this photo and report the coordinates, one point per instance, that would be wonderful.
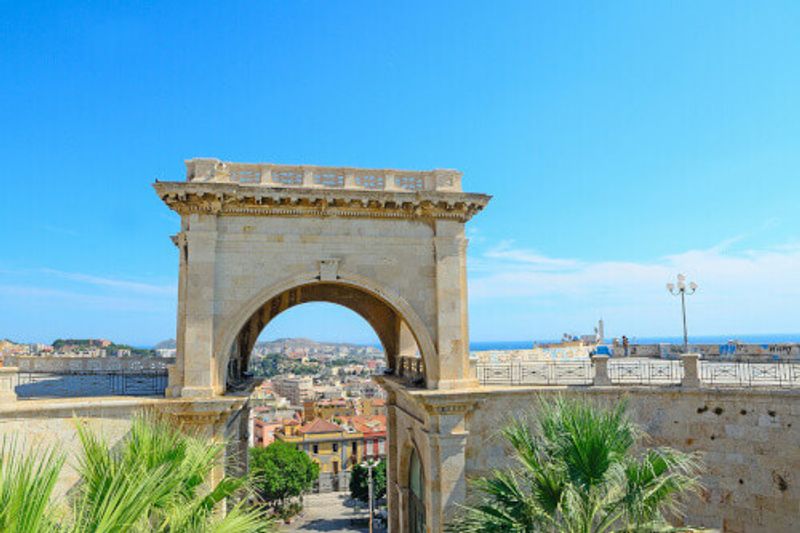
(750, 374)
(32, 385)
(655, 372)
(537, 373)
(645, 372)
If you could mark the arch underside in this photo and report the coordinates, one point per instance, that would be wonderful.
(387, 323)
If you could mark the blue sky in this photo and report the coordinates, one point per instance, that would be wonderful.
(622, 142)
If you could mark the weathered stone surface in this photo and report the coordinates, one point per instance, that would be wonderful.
(749, 440)
(52, 424)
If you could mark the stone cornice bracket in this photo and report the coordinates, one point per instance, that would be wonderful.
(448, 416)
(443, 406)
(179, 239)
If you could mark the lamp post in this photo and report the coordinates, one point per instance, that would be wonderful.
(369, 466)
(682, 289)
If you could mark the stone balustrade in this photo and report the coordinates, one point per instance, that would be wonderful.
(412, 369)
(315, 177)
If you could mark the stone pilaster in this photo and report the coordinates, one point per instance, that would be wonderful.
(393, 477)
(200, 373)
(691, 370)
(601, 377)
(175, 371)
(452, 324)
(447, 440)
(9, 378)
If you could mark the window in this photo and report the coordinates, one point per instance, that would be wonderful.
(355, 448)
(335, 447)
(316, 449)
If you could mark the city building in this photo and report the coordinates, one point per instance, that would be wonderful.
(373, 430)
(329, 409)
(333, 447)
(295, 389)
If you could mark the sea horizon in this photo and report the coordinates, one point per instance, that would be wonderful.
(476, 346)
(760, 338)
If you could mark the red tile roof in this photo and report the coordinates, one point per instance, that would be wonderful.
(318, 425)
(368, 424)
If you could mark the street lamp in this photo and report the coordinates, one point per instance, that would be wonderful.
(683, 290)
(369, 465)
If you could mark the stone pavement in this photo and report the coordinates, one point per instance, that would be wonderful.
(330, 512)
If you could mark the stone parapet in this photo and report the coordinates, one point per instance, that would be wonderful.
(9, 377)
(210, 170)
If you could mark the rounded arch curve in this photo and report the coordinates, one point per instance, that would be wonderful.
(414, 504)
(288, 292)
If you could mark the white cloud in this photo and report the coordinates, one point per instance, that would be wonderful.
(750, 291)
(113, 283)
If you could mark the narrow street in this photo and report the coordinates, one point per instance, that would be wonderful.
(331, 512)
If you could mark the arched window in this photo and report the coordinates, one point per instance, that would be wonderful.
(416, 495)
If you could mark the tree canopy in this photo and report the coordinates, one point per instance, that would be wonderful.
(359, 481)
(281, 471)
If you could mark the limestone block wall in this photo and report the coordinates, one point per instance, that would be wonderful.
(52, 423)
(750, 440)
(251, 255)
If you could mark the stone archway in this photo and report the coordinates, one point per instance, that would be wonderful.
(399, 329)
(251, 233)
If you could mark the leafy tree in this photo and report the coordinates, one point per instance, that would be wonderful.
(154, 480)
(577, 472)
(281, 472)
(359, 481)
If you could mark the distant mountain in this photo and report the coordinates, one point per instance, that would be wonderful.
(165, 345)
(306, 343)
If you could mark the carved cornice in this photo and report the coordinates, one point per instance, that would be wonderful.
(232, 199)
(449, 406)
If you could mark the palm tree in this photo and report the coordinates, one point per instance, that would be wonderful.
(578, 472)
(26, 483)
(154, 480)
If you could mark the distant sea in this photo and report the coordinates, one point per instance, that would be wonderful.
(478, 346)
(699, 339)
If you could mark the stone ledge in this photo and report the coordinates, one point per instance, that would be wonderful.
(67, 406)
(234, 199)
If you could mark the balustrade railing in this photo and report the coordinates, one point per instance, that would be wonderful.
(688, 372)
(314, 177)
(645, 372)
(30, 385)
(536, 373)
(411, 368)
(750, 374)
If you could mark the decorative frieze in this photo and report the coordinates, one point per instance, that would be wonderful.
(231, 199)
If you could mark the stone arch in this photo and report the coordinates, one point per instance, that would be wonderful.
(386, 312)
(396, 236)
(408, 450)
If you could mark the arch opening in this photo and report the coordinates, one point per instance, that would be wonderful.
(416, 493)
(395, 334)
